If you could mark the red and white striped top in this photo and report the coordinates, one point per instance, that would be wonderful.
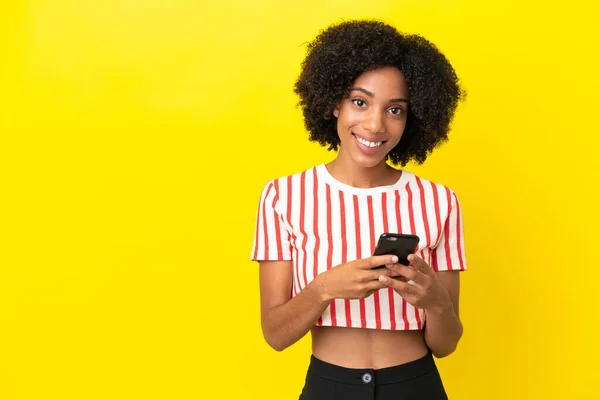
(318, 222)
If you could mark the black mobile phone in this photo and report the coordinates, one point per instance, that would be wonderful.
(400, 245)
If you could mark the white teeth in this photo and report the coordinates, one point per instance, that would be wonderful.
(367, 143)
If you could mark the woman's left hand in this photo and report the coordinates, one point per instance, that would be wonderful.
(419, 284)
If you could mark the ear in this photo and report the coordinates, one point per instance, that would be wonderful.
(336, 111)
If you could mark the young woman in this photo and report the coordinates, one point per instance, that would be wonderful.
(375, 96)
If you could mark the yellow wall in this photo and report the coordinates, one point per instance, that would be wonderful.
(135, 138)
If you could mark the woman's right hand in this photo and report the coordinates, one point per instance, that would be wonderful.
(356, 279)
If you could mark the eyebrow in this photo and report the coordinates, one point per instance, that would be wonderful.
(365, 91)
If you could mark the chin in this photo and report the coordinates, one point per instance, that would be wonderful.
(368, 162)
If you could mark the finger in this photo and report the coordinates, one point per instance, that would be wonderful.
(402, 288)
(374, 274)
(420, 264)
(408, 273)
(376, 261)
(395, 275)
(387, 272)
(374, 285)
(411, 274)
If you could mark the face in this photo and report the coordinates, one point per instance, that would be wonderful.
(371, 120)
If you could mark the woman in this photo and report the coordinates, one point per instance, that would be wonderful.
(375, 96)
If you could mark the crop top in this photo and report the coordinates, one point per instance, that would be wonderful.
(318, 222)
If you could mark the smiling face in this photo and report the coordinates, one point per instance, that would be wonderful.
(371, 120)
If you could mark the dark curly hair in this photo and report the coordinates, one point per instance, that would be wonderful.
(342, 52)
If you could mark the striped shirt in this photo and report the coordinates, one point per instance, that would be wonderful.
(318, 222)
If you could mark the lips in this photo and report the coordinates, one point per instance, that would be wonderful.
(368, 146)
(368, 143)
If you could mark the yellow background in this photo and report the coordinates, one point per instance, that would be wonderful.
(135, 140)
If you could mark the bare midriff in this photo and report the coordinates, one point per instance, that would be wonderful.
(367, 348)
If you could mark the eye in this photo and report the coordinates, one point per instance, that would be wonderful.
(359, 102)
(397, 111)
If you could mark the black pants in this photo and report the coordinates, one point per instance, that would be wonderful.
(414, 380)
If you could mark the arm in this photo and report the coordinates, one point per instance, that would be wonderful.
(437, 294)
(443, 328)
(284, 319)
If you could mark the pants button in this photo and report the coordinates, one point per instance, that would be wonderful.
(367, 377)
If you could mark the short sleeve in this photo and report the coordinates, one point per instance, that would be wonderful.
(271, 238)
(449, 254)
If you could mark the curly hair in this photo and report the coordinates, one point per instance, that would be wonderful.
(342, 52)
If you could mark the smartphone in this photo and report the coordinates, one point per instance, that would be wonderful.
(400, 245)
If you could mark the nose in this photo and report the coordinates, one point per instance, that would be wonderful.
(373, 121)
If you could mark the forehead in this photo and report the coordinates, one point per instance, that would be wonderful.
(383, 81)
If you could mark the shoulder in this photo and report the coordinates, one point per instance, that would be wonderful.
(417, 180)
(283, 180)
(430, 189)
(283, 184)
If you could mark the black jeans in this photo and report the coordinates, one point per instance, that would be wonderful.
(415, 380)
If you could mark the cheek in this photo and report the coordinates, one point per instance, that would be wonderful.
(352, 119)
(346, 121)
(396, 128)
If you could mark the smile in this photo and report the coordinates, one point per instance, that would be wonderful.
(367, 143)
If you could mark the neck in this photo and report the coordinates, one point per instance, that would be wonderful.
(349, 173)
